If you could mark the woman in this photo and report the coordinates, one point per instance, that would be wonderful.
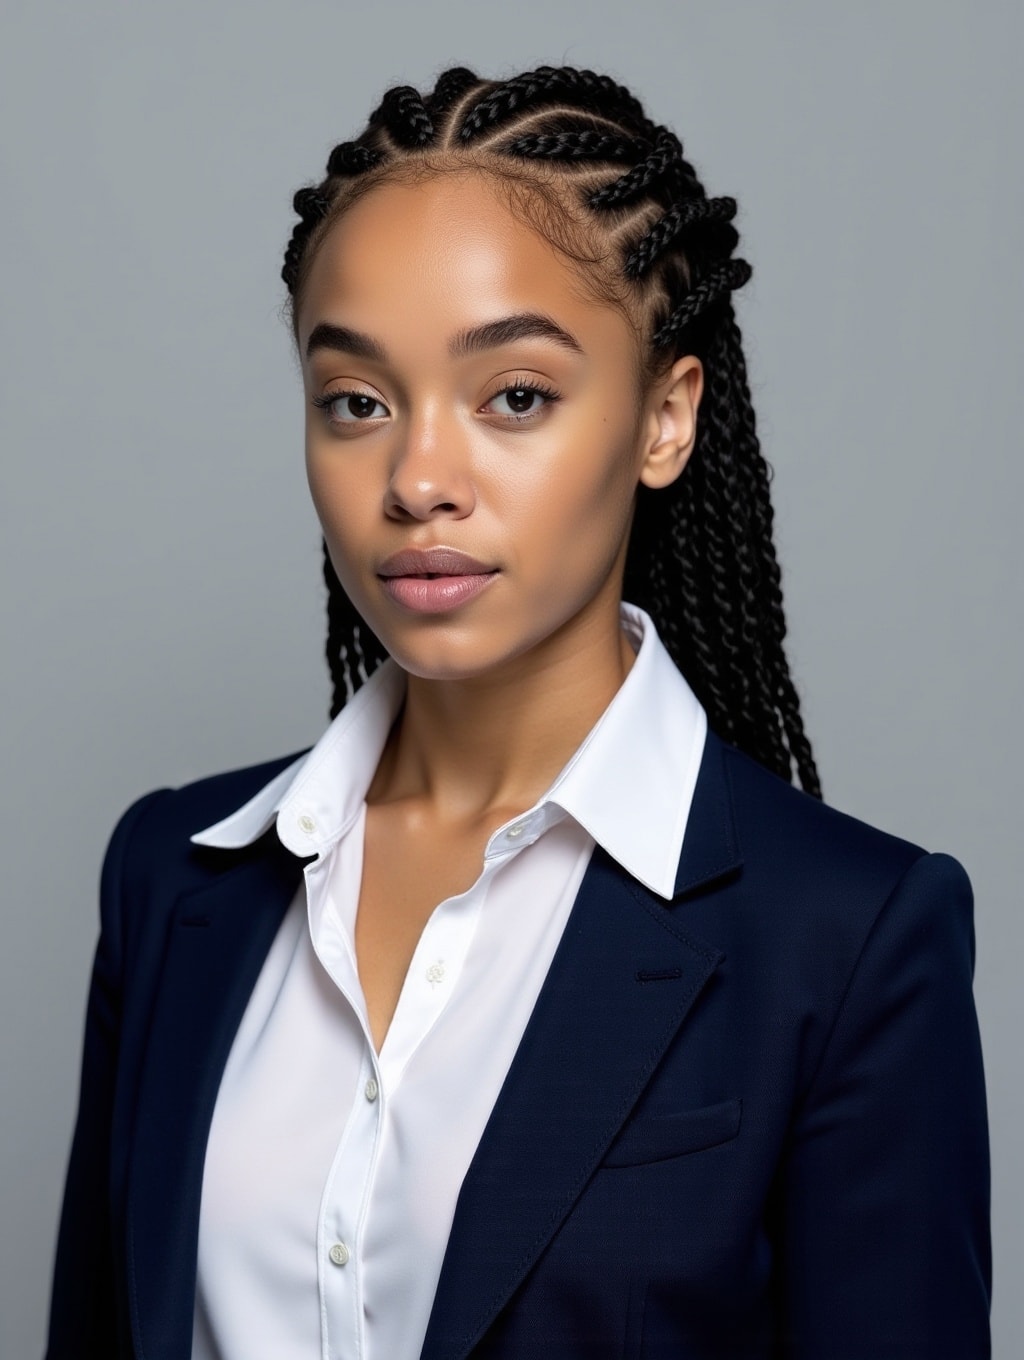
(533, 1011)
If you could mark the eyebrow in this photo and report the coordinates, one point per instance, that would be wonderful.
(346, 341)
(491, 335)
(508, 329)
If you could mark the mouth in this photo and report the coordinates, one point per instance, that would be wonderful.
(432, 564)
(433, 580)
(431, 575)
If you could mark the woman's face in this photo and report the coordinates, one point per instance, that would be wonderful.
(466, 396)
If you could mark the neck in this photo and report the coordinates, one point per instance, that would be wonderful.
(468, 749)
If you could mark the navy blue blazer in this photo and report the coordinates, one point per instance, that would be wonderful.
(742, 1124)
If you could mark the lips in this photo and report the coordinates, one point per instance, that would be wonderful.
(433, 580)
(432, 562)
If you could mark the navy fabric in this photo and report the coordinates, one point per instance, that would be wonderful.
(748, 1123)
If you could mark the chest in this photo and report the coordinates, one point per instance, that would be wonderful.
(408, 868)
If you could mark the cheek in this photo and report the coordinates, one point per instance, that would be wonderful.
(341, 531)
(585, 505)
(336, 499)
(316, 478)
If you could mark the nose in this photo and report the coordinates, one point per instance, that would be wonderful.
(430, 475)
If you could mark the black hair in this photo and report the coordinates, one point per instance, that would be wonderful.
(614, 190)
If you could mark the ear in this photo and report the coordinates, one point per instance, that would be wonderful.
(671, 422)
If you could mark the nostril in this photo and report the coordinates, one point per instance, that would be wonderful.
(416, 502)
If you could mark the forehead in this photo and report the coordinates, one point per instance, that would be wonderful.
(444, 253)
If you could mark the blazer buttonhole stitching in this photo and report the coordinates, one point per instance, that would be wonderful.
(658, 974)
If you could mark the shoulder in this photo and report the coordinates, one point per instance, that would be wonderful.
(838, 941)
(778, 822)
(150, 854)
(182, 811)
(816, 881)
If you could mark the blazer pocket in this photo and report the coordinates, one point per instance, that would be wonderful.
(657, 1137)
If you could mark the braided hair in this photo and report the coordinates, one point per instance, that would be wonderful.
(614, 191)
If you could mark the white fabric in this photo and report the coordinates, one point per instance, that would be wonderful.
(332, 1174)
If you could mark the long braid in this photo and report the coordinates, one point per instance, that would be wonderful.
(701, 557)
(769, 586)
(353, 651)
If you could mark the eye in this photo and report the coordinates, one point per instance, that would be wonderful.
(521, 399)
(347, 408)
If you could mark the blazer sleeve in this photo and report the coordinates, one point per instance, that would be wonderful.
(885, 1190)
(83, 1305)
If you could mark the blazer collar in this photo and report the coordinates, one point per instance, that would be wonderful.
(711, 848)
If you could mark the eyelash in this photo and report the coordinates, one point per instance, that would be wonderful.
(549, 395)
(327, 400)
(540, 389)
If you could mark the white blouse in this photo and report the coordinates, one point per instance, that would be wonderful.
(332, 1173)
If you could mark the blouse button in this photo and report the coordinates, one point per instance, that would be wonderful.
(371, 1089)
(339, 1254)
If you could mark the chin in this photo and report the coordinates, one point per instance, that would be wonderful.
(443, 663)
(445, 652)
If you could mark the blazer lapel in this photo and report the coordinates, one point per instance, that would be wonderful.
(219, 938)
(621, 983)
(711, 849)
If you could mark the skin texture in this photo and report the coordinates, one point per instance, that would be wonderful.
(425, 447)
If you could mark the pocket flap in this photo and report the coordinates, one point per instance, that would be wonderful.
(656, 1137)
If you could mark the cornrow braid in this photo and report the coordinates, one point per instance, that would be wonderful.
(701, 558)
(572, 145)
(349, 158)
(666, 155)
(404, 114)
(719, 280)
(585, 90)
(312, 205)
(640, 259)
(450, 87)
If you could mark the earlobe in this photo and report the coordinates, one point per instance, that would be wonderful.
(672, 420)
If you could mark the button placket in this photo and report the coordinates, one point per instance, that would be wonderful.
(344, 1212)
(433, 975)
(343, 1207)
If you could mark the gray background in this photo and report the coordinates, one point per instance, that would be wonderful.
(160, 594)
